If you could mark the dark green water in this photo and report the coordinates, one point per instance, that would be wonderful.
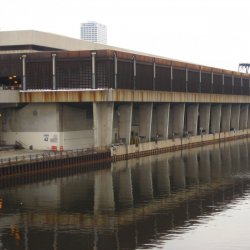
(194, 199)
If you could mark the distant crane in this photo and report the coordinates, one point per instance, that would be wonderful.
(244, 68)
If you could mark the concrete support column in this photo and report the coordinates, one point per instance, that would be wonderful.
(160, 121)
(243, 116)
(176, 120)
(103, 123)
(204, 110)
(235, 116)
(192, 118)
(145, 121)
(125, 121)
(215, 118)
(225, 117)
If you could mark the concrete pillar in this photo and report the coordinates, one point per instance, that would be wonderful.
(176, 120)
(235, 116)
(243, 116)
(192, 167)
(192, 118)
(160, 121)
(145, 121)
(225, 117)
(103, 192)
(204, 115)
(103, 123)
(204, 166)
(125, 121)
(215, 118)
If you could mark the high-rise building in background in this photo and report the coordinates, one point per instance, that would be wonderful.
(94, 32)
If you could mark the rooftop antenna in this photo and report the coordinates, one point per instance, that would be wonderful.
(244, 68)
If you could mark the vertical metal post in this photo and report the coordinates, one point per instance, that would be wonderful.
(134, 71)
(172, 77)
(154, 74)
(93, 70)
(212, 82)
(115, 70)
(232, 84)
(54, 70)
(241, 85)
(186, 83)
(24, 71)
(223, 83)
(200, 81)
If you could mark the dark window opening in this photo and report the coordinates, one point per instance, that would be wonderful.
(10, 82)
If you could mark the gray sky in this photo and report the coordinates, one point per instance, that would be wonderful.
(208, 32)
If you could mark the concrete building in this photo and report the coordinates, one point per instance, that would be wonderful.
(68, 93)
(94, 32)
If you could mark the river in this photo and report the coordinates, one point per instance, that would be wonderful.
(191, 199)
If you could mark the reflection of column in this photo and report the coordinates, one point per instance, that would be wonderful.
(204, 111)
(145, 120)
(103, 192)
(204, 163)
(226, 159)
(235, 116)
(225, 117)
(125, 120)
(123, 187)
(103, 123)
(178, 172)
(192, 167)
(145, 178)
(215, 160)
(215, 118)
(243, 155)
(235, 156)
(162, 175)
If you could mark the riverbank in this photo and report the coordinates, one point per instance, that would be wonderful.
(16, 162)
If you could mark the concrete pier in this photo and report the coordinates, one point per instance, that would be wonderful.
(215, 118)
(243, 116)
(192, 118)
(204, 116)
(225, 117)
(145, 121)
(235, 116)
(176, 120)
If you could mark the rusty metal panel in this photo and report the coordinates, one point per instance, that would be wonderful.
(237, 86)
(179, 80)
(193, 81)
(125, 75)
(245, 87)
(218, 84)
(206, 82)
(163, 78)
(144, 76)
(228, 84)
(39, 75)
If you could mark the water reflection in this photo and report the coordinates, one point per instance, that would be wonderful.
(130, 205)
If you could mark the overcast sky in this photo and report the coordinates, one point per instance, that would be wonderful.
(208, 32)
